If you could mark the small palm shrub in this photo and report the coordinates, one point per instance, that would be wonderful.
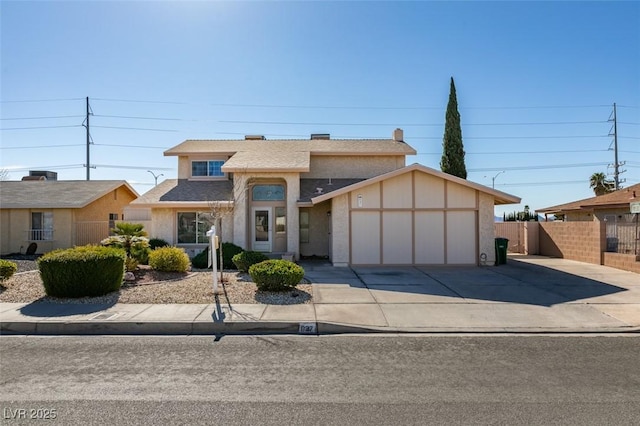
(7, 269)
(169, 259)
(276, 275)
(154, 243)
(245, 259)
(82, 271)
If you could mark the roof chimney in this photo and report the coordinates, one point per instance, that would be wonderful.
(254, 137)
(398, 135)
(320, 136)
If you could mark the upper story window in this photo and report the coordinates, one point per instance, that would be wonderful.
(211, 168)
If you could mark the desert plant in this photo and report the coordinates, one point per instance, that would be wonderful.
(130, 264)
(82, 271)
(129, 229)
(245, 259)
(169, 259)
(135, 246)
(7, 269)
(276, 275)
(154, 243)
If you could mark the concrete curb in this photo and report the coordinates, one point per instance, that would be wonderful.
(174, 328)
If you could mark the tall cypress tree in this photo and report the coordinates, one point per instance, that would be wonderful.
(452, 161)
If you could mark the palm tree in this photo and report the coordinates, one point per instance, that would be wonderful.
(600, 184)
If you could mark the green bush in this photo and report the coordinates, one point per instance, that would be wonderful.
(82, 271)
(169, 259)
(276, 275)
(245, 259)
(155, 243)
(201, 260)
(135, 247)
(7, 269)
(228, 251)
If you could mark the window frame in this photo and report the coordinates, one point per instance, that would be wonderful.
(45, 230)
(199, 234)
(211, 164)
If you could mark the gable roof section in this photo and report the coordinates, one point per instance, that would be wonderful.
(56, 194)
(268, 161)
(286, 146)
(617, 199)
(310, 188)
(183, 192)
(499, 196)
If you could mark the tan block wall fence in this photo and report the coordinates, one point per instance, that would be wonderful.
(581, 241)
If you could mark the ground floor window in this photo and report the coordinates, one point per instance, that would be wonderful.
(193, 227)
(304, 226)
(41, 226)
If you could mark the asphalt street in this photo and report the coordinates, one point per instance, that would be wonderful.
(386, 379)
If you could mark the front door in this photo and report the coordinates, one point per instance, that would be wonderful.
(261, 234)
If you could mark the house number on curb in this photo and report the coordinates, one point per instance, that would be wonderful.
(307, 328)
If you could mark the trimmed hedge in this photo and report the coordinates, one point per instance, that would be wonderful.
(82, 271)
(7, 269)
(169, 259)
(276, 275)
(155, 243)
(201, 260)
(245, 259)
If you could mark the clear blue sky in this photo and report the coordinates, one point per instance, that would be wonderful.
(215, 70)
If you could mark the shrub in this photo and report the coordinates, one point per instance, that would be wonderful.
(245, 259)
(7, 269)
(276, 275)
(201, 260)
(82, 271)
(135, 247)
(169, 259)
(155, 243)
(130, 264)
(228, 251)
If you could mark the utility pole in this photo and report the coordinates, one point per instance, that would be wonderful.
(88, 165)
(616, 162)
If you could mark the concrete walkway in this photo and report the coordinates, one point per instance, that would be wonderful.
(527, 295)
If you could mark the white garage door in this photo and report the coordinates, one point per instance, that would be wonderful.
(413, 237)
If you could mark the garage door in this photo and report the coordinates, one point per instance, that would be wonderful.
(413, 237)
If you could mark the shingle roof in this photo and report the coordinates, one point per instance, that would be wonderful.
(310, 188)
(619, 198)
(172, 191)
(260, 161)
(55, 194)
(282, 146)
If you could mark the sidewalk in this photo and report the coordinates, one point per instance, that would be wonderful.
(530, 294)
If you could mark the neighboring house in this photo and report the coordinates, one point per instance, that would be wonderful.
(59, 214)
(353, 201)
(612, 207)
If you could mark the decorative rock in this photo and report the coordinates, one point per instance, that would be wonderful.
(128, 276)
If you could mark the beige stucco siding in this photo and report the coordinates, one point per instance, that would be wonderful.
(398, 192)
(367, 197)
(461, 237)
(429, 191)
(486, 231)
(340, 230)
(113, 202)
(351, 167)
(459, 196)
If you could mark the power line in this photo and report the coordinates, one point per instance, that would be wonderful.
(141, 118)
(522, 152)
(39, 127)
(109, 166)
(39, 146)
(554, 166)
(407, 124)
(131, 146)
(135, 128)
(43, 118)
(41, 100)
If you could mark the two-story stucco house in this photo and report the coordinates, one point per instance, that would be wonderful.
(353, 201)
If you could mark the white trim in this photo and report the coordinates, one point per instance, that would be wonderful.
(263, 246)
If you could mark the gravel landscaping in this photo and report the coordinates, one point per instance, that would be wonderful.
(155, 287)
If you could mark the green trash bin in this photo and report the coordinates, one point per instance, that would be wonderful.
(501, 251)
